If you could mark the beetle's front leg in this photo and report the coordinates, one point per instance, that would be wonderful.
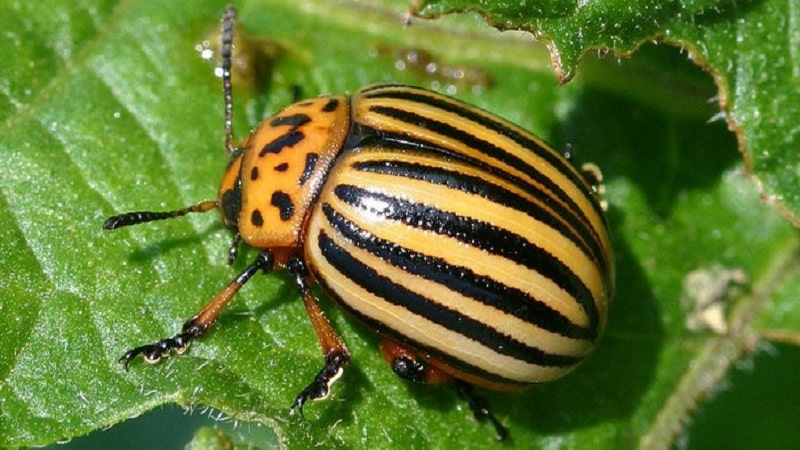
(198, 325)
(336, 354)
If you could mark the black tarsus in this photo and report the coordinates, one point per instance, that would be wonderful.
(233, 251)
(154, 352)
(320, 388)
(479, 406)
(409, 369)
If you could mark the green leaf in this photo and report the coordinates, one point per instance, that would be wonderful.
(108, 107)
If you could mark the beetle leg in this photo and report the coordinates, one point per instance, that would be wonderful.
(409, 365)
(594, 177)
(479, 406)
(198, 325)
(336, 354)
(233, 251)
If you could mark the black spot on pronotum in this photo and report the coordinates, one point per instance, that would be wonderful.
(331, 105)
(282, 167)
(311, 163)
(294, 120)
(254, 173)
(284, 203)
(256, 219)
(283, 141)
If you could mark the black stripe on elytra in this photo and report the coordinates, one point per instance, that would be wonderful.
(308, 169)
(399, 335)
(463, 280)
(471, 113)
(396, 143)
(284, 203)
(575, 230)
(383, 287)
(283, 141)
(492, 151)
(479, 234)
(293, 120)
(386, 330)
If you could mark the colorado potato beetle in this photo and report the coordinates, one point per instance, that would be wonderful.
(478, 253)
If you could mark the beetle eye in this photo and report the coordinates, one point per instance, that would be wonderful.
(231, 204)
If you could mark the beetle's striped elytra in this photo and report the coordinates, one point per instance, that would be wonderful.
(478, 253)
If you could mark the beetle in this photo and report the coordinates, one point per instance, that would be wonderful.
(479, 254)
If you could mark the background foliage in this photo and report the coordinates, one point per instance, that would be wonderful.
(106, 106)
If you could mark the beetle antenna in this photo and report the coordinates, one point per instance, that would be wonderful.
(228, 21)
(137, 217)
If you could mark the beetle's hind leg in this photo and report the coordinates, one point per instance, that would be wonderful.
(409, 365)
(479, 406)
